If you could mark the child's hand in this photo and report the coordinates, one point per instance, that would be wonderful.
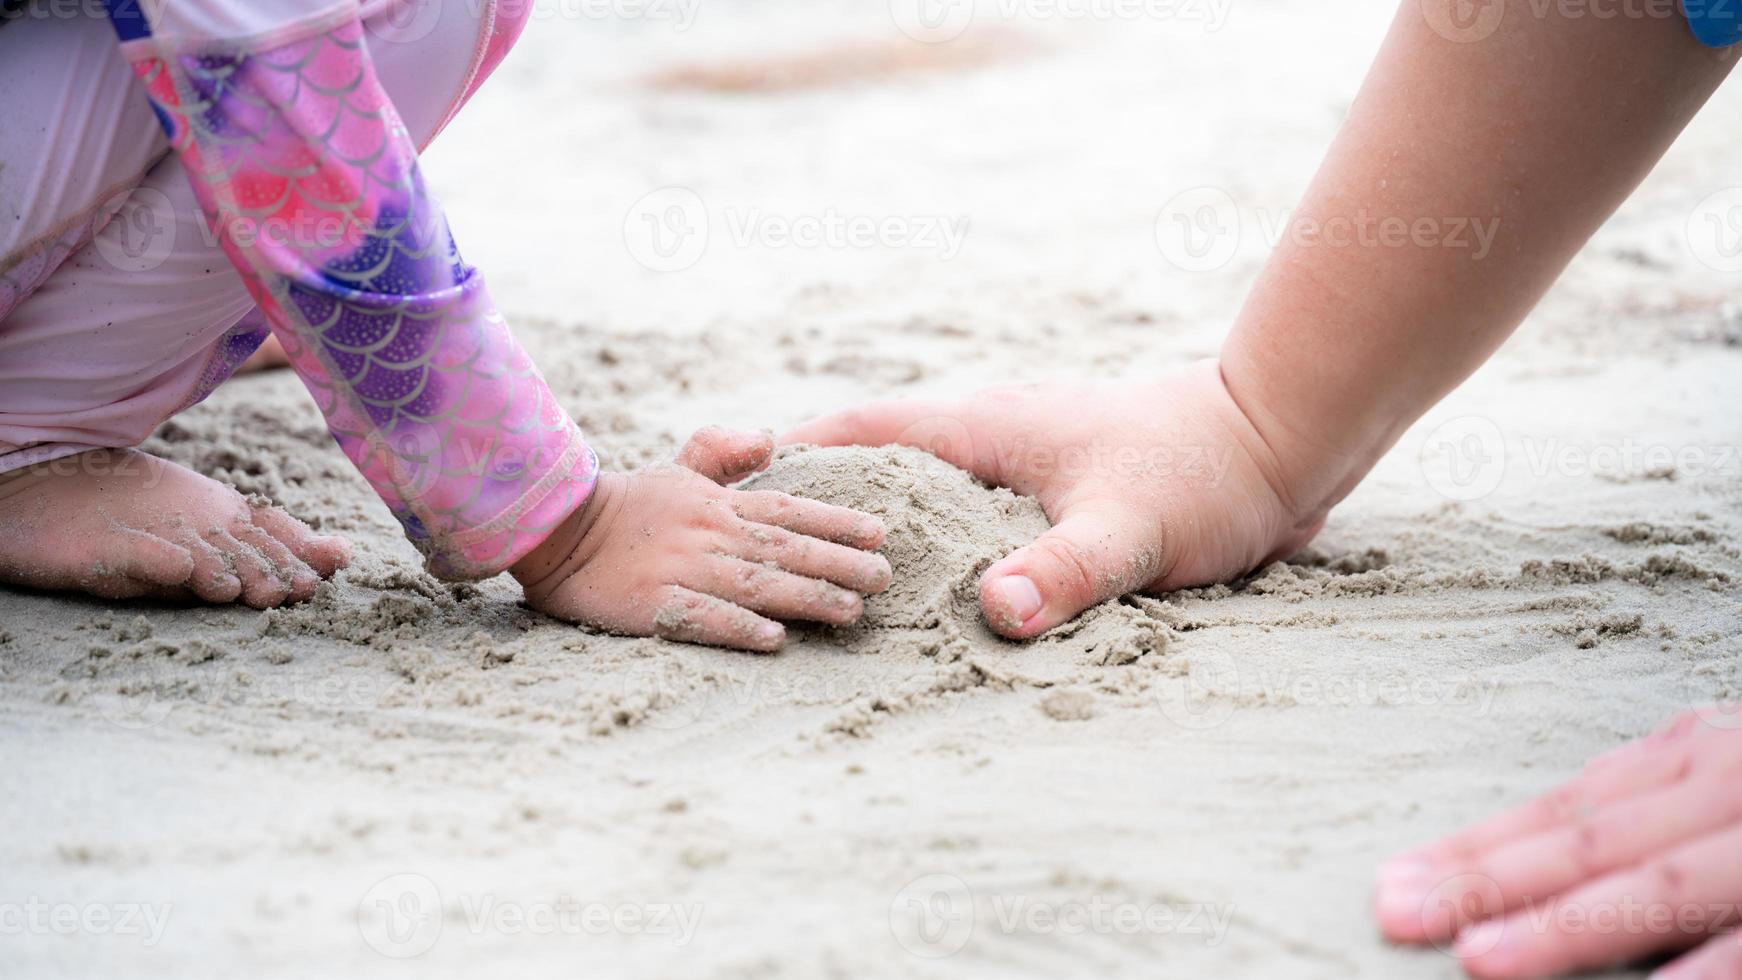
(668, 552)
(1157, 484)
(1641, 853)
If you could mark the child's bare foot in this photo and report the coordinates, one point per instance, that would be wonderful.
(119, 523)
(667, 551)
(270, 356)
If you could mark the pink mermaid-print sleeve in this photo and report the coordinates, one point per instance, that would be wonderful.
(304, 168)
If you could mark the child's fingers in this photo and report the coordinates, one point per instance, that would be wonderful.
(778, 593)
(864, 572)
(726, 455)
(691, 617)
(811, 517)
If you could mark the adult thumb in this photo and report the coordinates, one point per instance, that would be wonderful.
(1091, 555)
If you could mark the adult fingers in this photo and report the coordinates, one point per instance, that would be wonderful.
(810, 517)
(1659, 904)
(1718, 959)
(949, 430)
(1407, 900)
(777, 593)
(864, 572)
(1541, 865)
(692, 617)
(1088, 557)
(726, 455)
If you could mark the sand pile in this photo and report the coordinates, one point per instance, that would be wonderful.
(945, 529)
(1247, 752)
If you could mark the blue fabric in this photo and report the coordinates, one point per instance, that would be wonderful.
(128, 16)
(1717, 23)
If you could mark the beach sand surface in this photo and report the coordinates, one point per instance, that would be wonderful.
(404, 777)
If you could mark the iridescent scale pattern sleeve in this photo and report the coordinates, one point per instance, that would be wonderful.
(304, 168)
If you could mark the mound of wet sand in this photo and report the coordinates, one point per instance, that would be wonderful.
(944, 526)
(945, 529)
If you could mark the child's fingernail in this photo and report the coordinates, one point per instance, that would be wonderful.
(1486, 942)
(771, 632)
(1019, 596)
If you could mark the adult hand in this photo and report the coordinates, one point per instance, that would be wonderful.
(1640, 854)
(1154, 484)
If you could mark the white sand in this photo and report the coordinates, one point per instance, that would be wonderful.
(1222, 768)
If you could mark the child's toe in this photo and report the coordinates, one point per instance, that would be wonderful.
(324, 554)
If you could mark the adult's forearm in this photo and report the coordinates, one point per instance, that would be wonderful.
(1501, 156)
